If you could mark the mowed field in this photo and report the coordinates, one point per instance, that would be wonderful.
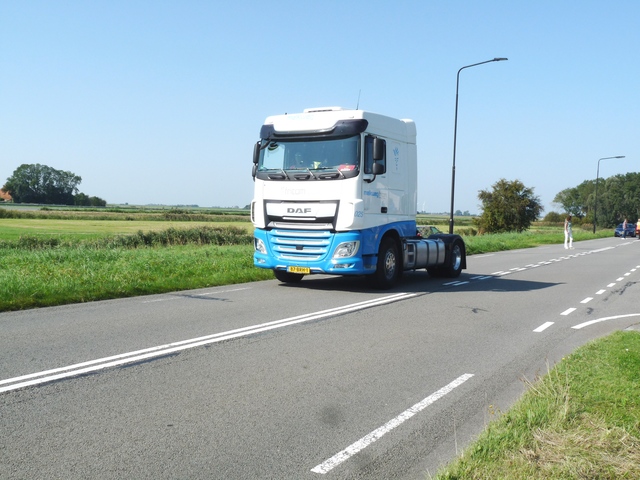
(13, 228)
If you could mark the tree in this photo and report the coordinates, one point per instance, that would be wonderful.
(87, 201)
(618, 197)
(510, 206)
(37, 183)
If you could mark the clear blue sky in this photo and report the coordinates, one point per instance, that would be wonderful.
(161, 101)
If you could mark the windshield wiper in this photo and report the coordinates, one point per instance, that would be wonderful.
(334, 174)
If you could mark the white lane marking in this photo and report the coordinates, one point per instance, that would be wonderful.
(587, 300)
(627, 274)
(367, 440)
(139, 355)
(611, 285)
(591, 322)
(543, 327)
(568, 311)
(619, 279)
(600, 292)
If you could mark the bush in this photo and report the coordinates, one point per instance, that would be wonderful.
(554, 217)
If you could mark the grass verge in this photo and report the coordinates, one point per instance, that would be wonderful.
(38, 271)
(580, 421)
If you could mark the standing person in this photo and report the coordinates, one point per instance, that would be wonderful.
(624, 228)
(568, 234)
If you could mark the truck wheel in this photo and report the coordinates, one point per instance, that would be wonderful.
(454, 264)
(388, 267)
(287, 277)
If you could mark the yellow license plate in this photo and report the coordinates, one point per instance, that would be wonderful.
(304, 270)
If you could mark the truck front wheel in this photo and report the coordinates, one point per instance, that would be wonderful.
(287, 277)
(388, 267)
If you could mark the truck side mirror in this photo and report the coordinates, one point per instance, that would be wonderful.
(378, 168)
(256, 153)
(378, 149)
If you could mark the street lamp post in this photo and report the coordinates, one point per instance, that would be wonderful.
(595, 205)
(455, 133)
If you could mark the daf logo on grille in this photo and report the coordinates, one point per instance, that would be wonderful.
(298, 210)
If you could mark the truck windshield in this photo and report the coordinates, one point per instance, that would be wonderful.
(309, 159)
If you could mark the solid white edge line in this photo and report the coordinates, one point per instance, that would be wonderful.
(543, 327)
(367, 440)
(139, 355)
(591, 322)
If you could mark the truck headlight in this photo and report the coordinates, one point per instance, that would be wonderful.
(346, 249)
(259, 246)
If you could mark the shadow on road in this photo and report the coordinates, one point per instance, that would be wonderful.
(421, 282)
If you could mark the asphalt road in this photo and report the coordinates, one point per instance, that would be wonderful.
(323, 380)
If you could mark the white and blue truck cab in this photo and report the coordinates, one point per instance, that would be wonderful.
(336, 193)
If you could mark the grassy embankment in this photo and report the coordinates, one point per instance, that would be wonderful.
(580, 421)
(55, 257)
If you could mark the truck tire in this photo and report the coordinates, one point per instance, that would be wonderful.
(454, 263)
(288, 277)
(388, 267)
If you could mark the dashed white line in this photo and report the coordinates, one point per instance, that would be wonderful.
(600, 292)
(587, 300)
(367, 440)
(568, 311)
(543, 327)
(611, 285)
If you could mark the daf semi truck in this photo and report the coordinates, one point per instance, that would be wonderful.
(336, 193)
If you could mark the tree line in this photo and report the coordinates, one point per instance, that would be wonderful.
(35, 183)
(618, 198)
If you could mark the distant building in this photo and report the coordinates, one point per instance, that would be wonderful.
(5, 196)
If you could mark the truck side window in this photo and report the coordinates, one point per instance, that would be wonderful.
(368, 153)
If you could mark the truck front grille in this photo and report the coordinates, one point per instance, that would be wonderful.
(301, 245)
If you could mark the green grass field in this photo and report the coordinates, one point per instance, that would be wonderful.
(13, 228)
